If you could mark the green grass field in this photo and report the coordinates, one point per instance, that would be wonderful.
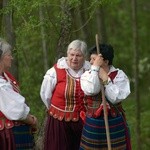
(130, 109)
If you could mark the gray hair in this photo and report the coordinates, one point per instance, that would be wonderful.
(78, 45)
(4, 47)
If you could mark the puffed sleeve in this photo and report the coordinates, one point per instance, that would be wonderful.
(12, 104)
(119, 89)
(48, 85)
(90, 82)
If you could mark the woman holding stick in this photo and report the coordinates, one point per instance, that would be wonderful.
(116, 89)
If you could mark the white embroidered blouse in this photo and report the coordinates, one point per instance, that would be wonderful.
(115, 91)
(12, 104)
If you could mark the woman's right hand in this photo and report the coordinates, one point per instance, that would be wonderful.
(32, 121)
(34, 124)
(98, 60)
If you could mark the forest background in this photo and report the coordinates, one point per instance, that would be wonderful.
(40, 30)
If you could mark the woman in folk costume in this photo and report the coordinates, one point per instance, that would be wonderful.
(16, 124)
(116, 89)
(61, 93)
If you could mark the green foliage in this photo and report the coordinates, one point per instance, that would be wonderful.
(130, 108)
(144, 66)
(74, 3)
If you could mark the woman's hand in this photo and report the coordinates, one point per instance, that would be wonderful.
(34, 124)
(32, 121)
(103, 75)
(98, 60)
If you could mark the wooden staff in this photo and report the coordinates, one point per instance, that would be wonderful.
(104, 103)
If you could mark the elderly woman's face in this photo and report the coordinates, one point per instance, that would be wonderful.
(75, 59)
(6, 60)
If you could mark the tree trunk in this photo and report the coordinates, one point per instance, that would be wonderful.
(10, 36)
(101, 27)
(65, 29)
(43, 39)
(136, 72)
(39, 143)
(1, 16)
(82, 20)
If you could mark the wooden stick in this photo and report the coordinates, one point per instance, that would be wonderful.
(104, 103)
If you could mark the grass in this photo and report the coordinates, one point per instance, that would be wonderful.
(130, 108)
